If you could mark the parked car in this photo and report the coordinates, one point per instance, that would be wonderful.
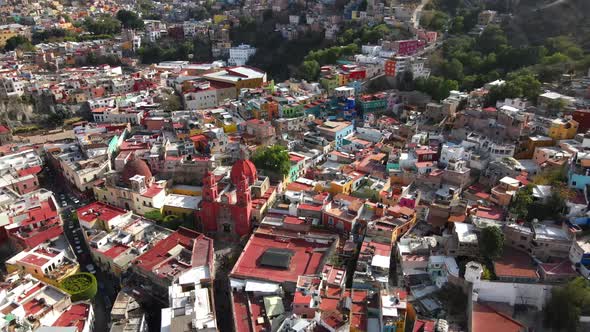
(64, 203)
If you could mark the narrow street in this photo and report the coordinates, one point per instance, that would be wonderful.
(107, 287)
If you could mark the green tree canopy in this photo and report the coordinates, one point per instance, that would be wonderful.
(15, 42)
(434, 20)
(273, 159)
(492, 39)
(103, 25)
(437, 87)
(171, 102)
(81, 286)
(562, 311)
(523, 83)
(491, 242)
(309, 70)
(521, 202)
(155, 215)
(129, 19)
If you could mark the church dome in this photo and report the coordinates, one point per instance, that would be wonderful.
(135, 167)
(243, 167)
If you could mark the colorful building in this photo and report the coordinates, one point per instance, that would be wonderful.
(228, 210)
(561, 129)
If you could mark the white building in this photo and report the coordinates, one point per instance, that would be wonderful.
(191, 303)
(12, 86)
(238, 56)
(453, 152)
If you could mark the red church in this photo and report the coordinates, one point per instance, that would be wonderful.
(226, 209)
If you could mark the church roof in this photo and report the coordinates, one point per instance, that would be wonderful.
(243, 167)
(135, 167)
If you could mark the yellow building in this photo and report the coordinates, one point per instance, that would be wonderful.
(340, 187)
(342, 79)
(563, 129)
(182, 189)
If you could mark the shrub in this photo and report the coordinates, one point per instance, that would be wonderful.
(81, 286)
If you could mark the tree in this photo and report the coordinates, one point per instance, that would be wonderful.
(129, 19)
(491, 242)
(103, 25)
(522, 83)
(309, 70)
(274, 159)
(562, 311)
(522, 200)
(405, 81)
(171, 102)
(15, 42)
(492, 39)
(434, 20)
(453, 70)
(458, 25)
(155, 215)
(437, 87)
(80, 286)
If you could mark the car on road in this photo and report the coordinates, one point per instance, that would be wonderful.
(76, 201)
(90, 268)
(77, 242)
(79, 249)
(64, 203)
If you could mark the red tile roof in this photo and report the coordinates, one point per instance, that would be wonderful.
(514, 263)
(31, 170)
(76, 316)
(305, 259)
(184, 237)
(99, 210)
(486, 319)
(152, 191)
(310, 207)
(563, 268)
(241, 316)
(296, 186)
(34, 260)
(115, 251)
(493, 213)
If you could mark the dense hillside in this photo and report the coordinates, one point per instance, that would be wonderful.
(536, 20)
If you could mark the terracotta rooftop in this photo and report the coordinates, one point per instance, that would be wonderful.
(514, 263)
(305, 258)
(486, 319)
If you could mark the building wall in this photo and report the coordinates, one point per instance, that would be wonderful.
(513, 293)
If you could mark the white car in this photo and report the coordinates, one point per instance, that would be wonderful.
(76, 201)
(64, 203)
(77, 242)
(71, 226)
